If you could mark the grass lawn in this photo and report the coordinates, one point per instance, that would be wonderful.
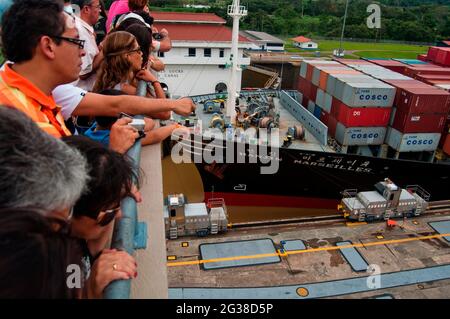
(364, 49)
(326, 45)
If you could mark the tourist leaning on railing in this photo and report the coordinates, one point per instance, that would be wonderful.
(36, 169)
(41, 179)
(42, 42)
(122, 66)
(111, 180)
(35, 255)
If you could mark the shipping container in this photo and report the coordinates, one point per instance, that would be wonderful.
(320, 97)
(303, 69)
(336, 70)
(446, 147)
(437, 82)
(311, 107)
(315, 62)
(309, 72)
(420, 100)
(410, 61)
(433, 79)
(332, 124)
(423, 57)
(352, 61)
(445, 132)
(392, 65)
(380, 72)
(412, 142)
(392, 117)
(368, 94)
(418, 70)
(305, 88)
(316, 76)
(362, 117)
(432, 53)
(359, 135)
(324, 117)
(328, 99)
(342, 81)
(317, 112)
(332, 78)
(443, 57)
(411, 83)
(321, 69)
(313, 92)
(409, 122)
(305, 102)
(307, 67)
(444, 86)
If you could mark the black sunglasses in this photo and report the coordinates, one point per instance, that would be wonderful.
(76, 41)
(108, 216)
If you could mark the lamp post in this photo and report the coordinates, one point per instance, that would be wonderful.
(236, 11)
(343, 28)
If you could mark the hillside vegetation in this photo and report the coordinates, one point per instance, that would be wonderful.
(402, 20)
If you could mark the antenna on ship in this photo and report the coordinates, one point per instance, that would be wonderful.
(236, 11)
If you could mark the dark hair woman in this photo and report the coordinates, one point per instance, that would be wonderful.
(111, 180)
(35, 255)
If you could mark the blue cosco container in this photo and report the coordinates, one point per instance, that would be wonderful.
(416, 142)
(351, 136)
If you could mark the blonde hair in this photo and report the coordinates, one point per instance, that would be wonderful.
(115, 66)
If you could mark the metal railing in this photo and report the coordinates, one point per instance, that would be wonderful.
(129, 234)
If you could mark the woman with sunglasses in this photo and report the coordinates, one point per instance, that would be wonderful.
(123, 66)
(111, 180)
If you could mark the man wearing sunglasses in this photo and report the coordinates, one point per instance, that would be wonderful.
(46, 50)
(44, 45)
(89, 12)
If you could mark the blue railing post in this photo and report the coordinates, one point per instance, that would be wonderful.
(127, 230)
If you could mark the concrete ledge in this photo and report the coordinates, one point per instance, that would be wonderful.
(152, 270)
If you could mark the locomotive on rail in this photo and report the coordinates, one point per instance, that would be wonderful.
(194, 219)
(386, 202)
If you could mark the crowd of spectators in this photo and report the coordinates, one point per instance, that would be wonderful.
(67, 97)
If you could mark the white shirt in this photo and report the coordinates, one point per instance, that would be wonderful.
(68, 97)
(87, 33)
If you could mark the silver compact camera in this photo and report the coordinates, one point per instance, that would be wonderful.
(138, 124)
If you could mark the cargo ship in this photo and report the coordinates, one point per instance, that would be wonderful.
(349, 124)
(310, 174)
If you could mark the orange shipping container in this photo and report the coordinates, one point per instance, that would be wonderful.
(324, 75)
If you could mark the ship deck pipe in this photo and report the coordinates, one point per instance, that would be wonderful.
(126, 229)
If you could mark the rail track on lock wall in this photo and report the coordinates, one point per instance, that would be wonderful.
(435, 208)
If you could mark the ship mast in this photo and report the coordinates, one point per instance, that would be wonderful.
(236, 11)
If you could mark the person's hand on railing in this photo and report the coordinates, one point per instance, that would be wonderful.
(111, 265)
(122, 136)
(184, 106)
(146, 76)
(149, 124)
(136, 194)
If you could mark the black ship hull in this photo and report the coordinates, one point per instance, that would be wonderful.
(305, 179)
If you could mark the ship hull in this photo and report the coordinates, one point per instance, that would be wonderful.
(306, 179)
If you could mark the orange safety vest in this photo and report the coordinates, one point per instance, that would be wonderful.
(48, 119)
